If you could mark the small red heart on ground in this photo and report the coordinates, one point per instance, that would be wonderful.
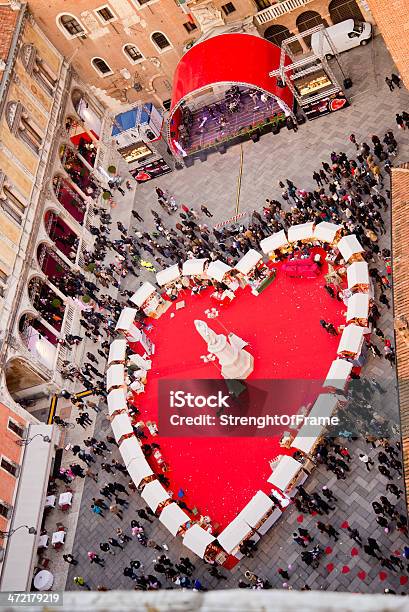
(362, 575)
(403, 580)
(345, 569)
(345, 525)
(300, 518)
(396, 553)
(383, 576)
(328, 550)
(330, 567)
(354, 552)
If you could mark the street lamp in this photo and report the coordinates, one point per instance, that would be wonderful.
(8, 534)
(27, 441)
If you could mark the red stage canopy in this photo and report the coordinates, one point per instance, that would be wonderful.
(229, 58)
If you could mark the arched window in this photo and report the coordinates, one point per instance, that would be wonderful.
(10, 202)
(101, 66)
(38, 69)
(133, 53)
(21, 125)
(160, 41)
(71, 25)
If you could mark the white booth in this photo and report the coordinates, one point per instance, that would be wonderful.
(301, 232)
(138, 470)
(154, 494)
(351, 342)
(115, 377)
(218, 271)
(260, 513)
(197, 540)
(358, 309)
(275, 242)
(122, 427)
(310, 435)
(116, 400)
(126, 324)
(350, 248)
(149, 301)
(254, 272)
(234, 534)
(358, 276)
(287, 474)
(338, 374)
(117, 351)
(130, 449)
(327, 232)
(173, 518)
(194, 267)
(168, 275)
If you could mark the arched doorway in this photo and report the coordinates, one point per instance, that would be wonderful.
(276, 34)
(38, 339)
(55, 269)
(69, 198)
(28, 387)
(46, 302)
(64, 238)
(307, 20)
(78, 172)
(340, 10)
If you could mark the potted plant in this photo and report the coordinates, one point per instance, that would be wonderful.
(106, 195)
(111, 169)
(86, 299)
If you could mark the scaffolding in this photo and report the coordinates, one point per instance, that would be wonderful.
(314, 62)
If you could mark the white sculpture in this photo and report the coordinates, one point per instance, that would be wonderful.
(207, 15)
(235, 363)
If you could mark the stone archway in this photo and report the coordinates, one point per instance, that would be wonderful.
(307, 20)
(277, 33)
(340, 10)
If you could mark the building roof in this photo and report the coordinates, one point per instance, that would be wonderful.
(8, 22)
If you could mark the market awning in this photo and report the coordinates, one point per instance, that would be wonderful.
(351, 340)
(126, 319)
(173, 518)
(232, 536)
(256, 509)
(248, 261)
(357, 274)
(130, 449)
(197, 540)
(285, 471)
(138, 469)
(217, 269)
(275, 241)
(116, 400)
(324, 406)
(302, 231)
(358, 306)
(142, 294)
(193, 266)
(121, 426)
(348, 246)
(154, 494)
(168, 275)
(242, 59)
(115, 376)
(117, 351)
(338, 374)
(326, 231)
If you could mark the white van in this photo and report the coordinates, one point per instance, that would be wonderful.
(344, 36)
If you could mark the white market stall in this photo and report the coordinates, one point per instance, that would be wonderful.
(358, 276)
(358, 309)
(254, 272)
(234, 534)
(154, 494)
(338, 374)
(122, 427)
(350, 248)
(130, 449)
(324, 406)
(168, 276)
(309, 435)
(173, 518)
(194, 267)
(352, 339)
(117, 351)
(197, 540)
(126, 325)
(149, 301)
(275, 242)
(115, 377)
(116, 400)
(260, 513)
(138, 470)
(301, 232)
(327, 232)
(218, 270)
(287, 474)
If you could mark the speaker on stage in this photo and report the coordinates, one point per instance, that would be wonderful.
(347, 83)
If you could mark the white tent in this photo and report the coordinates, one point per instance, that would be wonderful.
(325, 231)
(115, 376)
(358, 306)
(248, 261)
(304, 441)
(351, 339)
(275, 241)
(126, 319)
(154, 494)
(325, 405)
(197, 540)
(302, 231)
(142, 294)
(173, 518)
(256, 509)
(168, 275)
(117, 350)
(140, 362)
(121, 425)
(217, 269)
(348, 246)
(357, 274)
(116, 400)
(338, 374)
(285, 471)
(130, 449)
(139, 469)
(233, 535)
(193, 267)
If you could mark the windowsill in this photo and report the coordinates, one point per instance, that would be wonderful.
(142, 6)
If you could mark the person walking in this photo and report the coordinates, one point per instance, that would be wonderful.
(399, 120)
(143, 515)
(299, 540)
(396, 80)
(95, 558)
(354, 535)
(70, 559)
(367, 461)
(328, 494)
(79, 580)
(113, 542)
(332, 532)
(389, 83)
(115, 509)
(105, 547)
(206, 211)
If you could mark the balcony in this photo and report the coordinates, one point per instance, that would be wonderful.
(279, 9)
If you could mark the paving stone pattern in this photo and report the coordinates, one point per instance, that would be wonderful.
(214, 183)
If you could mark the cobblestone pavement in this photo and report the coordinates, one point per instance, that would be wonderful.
(215, 182)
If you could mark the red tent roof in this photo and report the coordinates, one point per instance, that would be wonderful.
(231, 58)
